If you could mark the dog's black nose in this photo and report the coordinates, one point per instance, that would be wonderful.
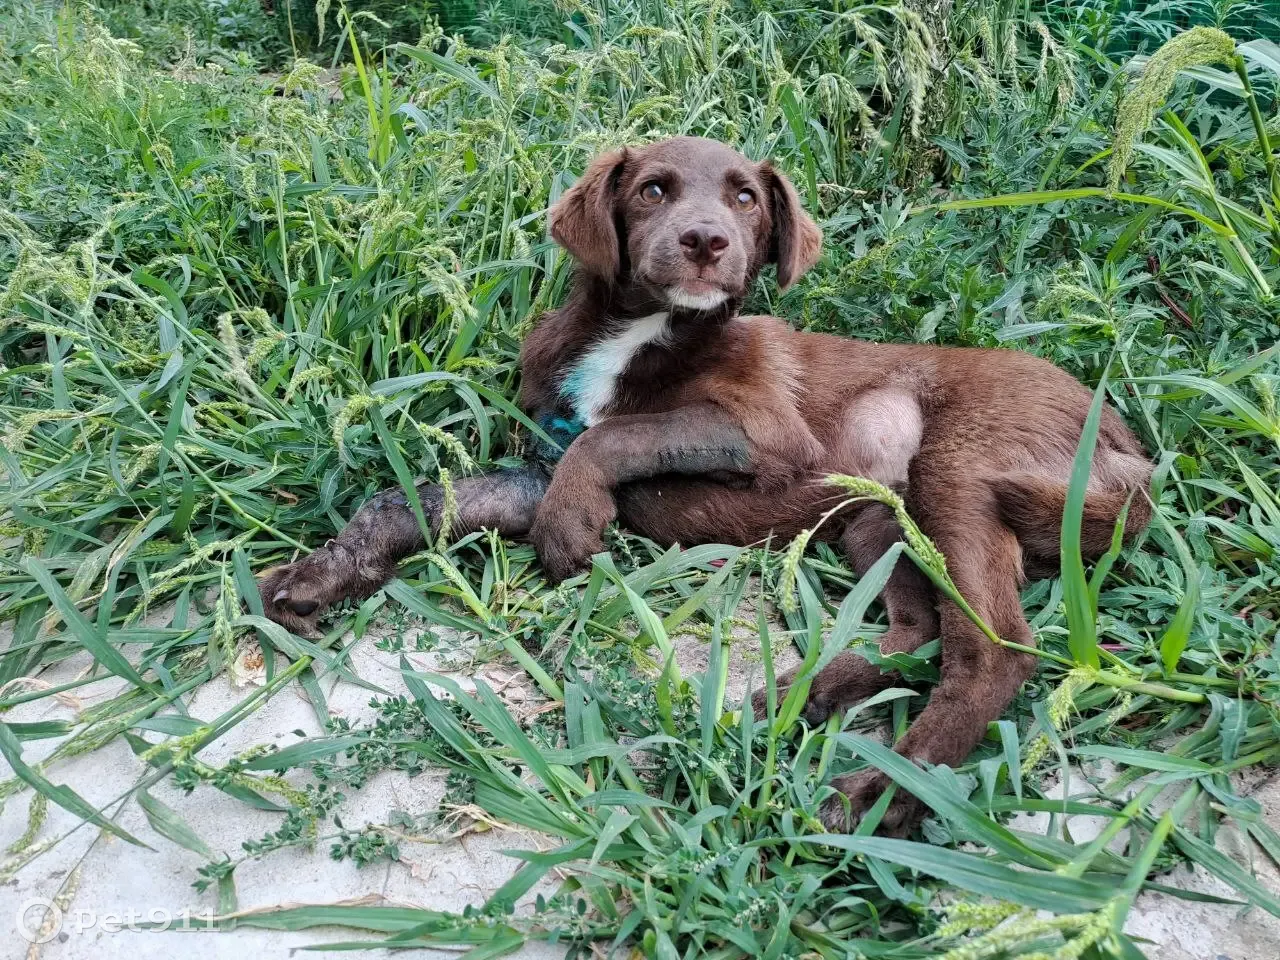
(703, 245)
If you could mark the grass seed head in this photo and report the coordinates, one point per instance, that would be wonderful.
(1197, 47)
(351, 411)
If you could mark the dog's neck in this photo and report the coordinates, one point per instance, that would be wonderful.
(623, 338)
(600, 309)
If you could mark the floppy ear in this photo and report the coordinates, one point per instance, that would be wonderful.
(582, 221)
(796, 243)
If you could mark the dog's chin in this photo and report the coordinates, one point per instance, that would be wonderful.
(696, 295)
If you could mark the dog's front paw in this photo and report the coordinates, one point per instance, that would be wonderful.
(565, 544)
(295, 595)
(843, 811)
(566, 536)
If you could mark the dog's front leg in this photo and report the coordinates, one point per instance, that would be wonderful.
(699, 439)
(364, 555)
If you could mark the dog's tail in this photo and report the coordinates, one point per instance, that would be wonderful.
(1032, 506)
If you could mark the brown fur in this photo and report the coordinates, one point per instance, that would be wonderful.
(722, 429)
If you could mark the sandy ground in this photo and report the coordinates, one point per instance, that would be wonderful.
(112, 881)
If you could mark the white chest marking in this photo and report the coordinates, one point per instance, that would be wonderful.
(590, 385)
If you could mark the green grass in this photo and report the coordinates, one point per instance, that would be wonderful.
(226, 315)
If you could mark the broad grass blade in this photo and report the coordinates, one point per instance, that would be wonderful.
(1082, 615)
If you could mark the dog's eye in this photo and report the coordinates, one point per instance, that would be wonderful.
(651, 193)
(746, 199)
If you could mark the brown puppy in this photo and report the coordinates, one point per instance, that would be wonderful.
(693, 424)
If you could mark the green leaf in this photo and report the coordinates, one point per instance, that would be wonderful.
(304, 752)
(1235, 722)
(450, 68)
(980, 875)
(959, 811)
(1079, 193)
(848, 620)
(1262, 53)
(1178, 634)
(1141, 867)
(41, 729)
(1104, 563)
(499, 946)
(613, 828)
(1082, 614)
(78, 624)
(228, 902)
(178, 312)
(1251, 417)
(793, 110)
(62, 795)
(166, 822)
(378, 919)
(171, 724)
(1012, 756)
(394, 457)
(1226, 869)
(711, 699)
(1146, 759)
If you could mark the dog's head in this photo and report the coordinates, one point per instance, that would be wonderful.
(692, 220)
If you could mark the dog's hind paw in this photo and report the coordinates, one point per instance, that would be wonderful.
(824, 699)
(843, 811)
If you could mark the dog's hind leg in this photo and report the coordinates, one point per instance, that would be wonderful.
(1033, 507)
(1032, 501)
(364, 555)
(908, 599)
(979, 677)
